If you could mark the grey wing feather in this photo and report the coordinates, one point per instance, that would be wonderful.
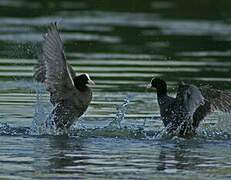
(214, 100)
(40, 70)
(218, 100)
(188, 96)
(58, 76)
(72, 72)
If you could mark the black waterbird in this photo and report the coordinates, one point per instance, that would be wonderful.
(182, 115)
(70, 94)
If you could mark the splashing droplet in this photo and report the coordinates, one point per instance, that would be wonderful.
(41, 123)
(121, 111)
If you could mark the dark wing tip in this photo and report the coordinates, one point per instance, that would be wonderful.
(54, 26)
(218, 99)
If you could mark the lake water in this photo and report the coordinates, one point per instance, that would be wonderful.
(122, 45)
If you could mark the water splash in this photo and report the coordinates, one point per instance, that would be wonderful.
(224, 122)
(121, 111)
(41, 123)
(7, 130)
(218, 130)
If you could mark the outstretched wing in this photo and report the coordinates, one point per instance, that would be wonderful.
(40, 70)
(214, 100)
(189, 96)
(58, 74)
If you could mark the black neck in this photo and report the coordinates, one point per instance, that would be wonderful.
(162, 91)
(161, 96)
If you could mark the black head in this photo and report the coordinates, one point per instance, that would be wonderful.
(159, 84)
(82, 81)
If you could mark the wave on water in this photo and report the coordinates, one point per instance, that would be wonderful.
(116, 128)
(131, 132)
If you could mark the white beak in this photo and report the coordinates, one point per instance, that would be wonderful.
(149, 86)
(90, 82)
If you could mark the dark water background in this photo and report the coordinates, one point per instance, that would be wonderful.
(122, 45)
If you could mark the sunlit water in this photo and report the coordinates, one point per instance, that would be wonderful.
(122, 46)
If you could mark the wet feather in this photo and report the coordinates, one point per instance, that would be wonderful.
(183, 114)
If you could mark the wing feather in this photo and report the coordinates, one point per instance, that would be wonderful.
(215, 100)
(58, 79)
(219, 100)
(40, 70)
